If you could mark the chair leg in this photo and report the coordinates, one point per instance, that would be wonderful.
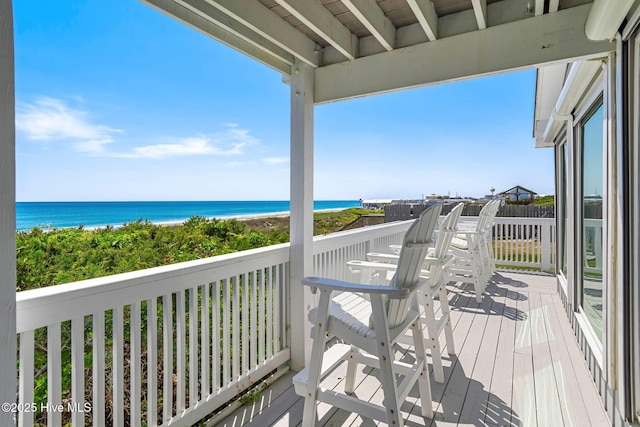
(433, 341)
(424, 385)
(385, 357)
(315, 364)
(350, 380)
(446, 311)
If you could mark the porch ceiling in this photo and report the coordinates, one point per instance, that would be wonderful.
(360, 47)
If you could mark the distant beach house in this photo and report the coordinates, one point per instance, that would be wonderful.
(518, 193)
(375, 203)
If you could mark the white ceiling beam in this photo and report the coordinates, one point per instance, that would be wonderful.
(210, 13)
(539, 7)
(425, 11)
(261, 50)
(257, 17)
(554, 5)
(373, 18)
(322, 22)
(480, 9)
(528, 43)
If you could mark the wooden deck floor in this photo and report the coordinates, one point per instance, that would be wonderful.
(517, 364)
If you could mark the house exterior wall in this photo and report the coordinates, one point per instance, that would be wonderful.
(605, 283)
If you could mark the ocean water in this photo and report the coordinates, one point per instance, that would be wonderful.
(49, 215)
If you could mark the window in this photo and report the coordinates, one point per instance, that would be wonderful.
(592, 214)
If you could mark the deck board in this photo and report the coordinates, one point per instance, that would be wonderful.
(498, 411)
(517, 364)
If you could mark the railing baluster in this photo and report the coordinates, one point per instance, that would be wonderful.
(226, 323)
(261, 315)
(276, 308)
(180, 351)
(77, 371)
(118, 367)
(135, 394)
(167, 362)
(269, 317)
(245, 323)
(235, 322)
(25, 418)
(97, 380)
(152, 361)
(215, 336)
(205, 342)
(253, 343)
(193, 346)
(54, 374)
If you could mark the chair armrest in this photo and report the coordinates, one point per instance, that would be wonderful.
(382, 257)
(339, 285)
(372, 265)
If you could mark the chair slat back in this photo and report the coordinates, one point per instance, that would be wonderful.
(412, 255)
(447, 232)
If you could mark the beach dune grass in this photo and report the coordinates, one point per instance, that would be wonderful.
(72, 254)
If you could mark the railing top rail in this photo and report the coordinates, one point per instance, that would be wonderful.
(523, 220)
(53, 304)
(324, 242)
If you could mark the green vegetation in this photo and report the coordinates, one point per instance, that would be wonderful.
(68, 255)
(544, 201)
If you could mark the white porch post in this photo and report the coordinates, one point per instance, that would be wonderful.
(301, 228)
(7, 216)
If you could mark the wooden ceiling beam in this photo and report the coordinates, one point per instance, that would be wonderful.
(373, 18)
(261, 51)
(322, 22)
(231, 25)
(480, 10)
(260, 19)
(425, 12)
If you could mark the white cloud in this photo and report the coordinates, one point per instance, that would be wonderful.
(230, 142)
(49, 119)
(275, 160)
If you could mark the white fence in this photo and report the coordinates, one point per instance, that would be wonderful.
(169, 345)
(525, 242)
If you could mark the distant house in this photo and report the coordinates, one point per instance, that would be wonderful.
(376, 203)
(518, 193)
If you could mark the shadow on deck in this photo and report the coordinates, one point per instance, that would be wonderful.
(517, 364)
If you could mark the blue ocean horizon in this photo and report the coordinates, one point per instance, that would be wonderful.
(48, 215)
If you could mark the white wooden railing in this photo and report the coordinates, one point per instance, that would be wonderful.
(525, 242)
(182, 339)
(170, 345)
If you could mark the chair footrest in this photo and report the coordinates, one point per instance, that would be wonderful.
(332, 357)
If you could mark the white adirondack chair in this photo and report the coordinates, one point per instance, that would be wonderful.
(437, 262)
(372, 333)
(473, 252)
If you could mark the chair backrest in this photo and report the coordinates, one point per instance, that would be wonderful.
(447, 231)
(414, 250)
(414, 247)
(486, 215)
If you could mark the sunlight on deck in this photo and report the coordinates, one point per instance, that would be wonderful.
(518, 364)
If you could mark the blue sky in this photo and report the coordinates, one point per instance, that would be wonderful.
(116, 101)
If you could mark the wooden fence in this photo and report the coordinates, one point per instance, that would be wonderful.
(404, 212)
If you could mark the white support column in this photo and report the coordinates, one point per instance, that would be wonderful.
(7, 216)
(301, 252)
